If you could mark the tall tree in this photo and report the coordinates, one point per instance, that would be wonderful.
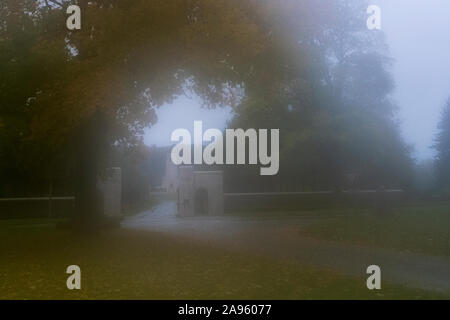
(442, 147)
(26, 72)
(128, 59)
(335, 110)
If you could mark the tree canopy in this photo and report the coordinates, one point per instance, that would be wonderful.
(310, 68)
(336, 114)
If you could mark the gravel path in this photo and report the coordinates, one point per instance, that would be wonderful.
(282, 238)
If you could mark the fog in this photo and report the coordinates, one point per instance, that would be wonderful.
(417, 33)
(181, 114)
(325, 184)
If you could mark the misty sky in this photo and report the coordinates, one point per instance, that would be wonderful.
(418, 34)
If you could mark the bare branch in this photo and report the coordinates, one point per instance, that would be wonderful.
(54, 2)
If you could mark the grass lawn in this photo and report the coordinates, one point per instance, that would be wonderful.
(418, 229)
(121, 264)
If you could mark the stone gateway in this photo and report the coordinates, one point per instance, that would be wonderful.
(199, 192)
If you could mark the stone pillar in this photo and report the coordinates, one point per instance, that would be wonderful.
(110, 185)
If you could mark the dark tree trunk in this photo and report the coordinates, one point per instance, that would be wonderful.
(91, 142)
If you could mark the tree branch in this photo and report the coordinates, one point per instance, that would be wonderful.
(54, 2)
